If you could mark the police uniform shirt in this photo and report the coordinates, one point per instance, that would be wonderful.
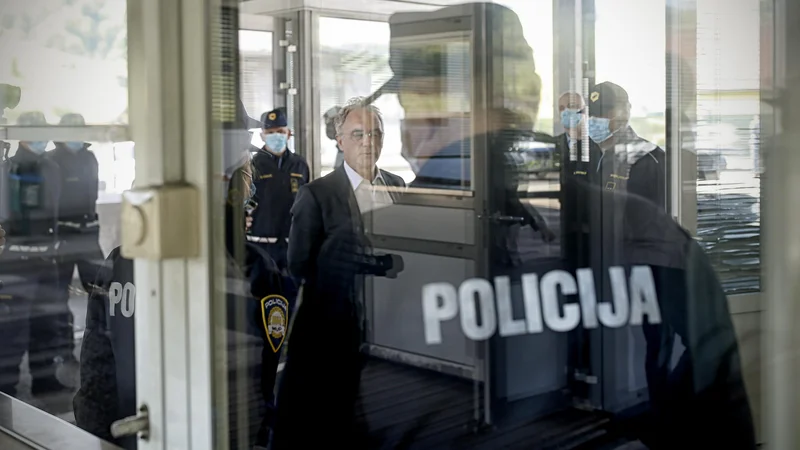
(277, 179)
(633, 165)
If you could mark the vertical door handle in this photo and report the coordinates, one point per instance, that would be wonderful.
(133, 425)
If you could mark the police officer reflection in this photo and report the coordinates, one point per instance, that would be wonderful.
(78, 225)
(41, 320)
(509, 129)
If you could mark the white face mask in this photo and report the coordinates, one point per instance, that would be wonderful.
(37, 147)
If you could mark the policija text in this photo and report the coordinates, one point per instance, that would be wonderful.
(632, 298)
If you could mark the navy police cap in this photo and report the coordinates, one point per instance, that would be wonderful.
(605, 98)
(274, 119)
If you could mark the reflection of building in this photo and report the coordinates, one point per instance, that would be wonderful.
(94, 87)
(255, 63)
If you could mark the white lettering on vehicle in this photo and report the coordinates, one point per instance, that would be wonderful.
(124, 296)
(486, 309)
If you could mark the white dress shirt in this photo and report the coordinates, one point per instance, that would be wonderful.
(369, 196)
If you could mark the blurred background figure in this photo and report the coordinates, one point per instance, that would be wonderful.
(330, 131)
(572, 112)
(78, 224)
(29, 270)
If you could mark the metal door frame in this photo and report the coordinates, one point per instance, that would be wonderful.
(573, 52)
(169, 120)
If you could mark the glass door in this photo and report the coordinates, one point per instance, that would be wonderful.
(100, 326)
(537, 216)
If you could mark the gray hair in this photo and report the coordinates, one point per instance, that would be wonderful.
(355, 103)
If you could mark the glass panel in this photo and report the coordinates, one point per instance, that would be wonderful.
(558, 293)
(67, 57)
(67, 298)
(257, 84)
(253, 194)
(646, 31)
(351, 66)
(728, 127)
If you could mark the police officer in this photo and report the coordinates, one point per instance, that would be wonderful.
(279, 174)
(628, 162)
(330, 131)
(79, 229)
(39, 320)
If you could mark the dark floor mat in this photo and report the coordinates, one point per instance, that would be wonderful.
(411, 408)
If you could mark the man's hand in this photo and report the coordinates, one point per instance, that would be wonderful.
(248, 223)
(397, 265)
(547, 234)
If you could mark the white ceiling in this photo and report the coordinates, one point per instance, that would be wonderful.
(377, 7)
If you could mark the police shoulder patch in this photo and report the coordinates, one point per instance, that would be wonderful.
(275, 315)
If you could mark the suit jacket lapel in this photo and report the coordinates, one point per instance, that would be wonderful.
(348, 197)
(394, 187)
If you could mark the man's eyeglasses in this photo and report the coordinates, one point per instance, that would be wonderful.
(375, 136)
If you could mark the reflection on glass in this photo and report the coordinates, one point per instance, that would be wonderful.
(354, 61)
(644, 31)
(432, 81)
(728, 154)
(560, 291)
(66, 312)
(67, 57)
(256, 66)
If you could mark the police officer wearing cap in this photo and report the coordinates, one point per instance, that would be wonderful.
(38, 320)
(78, 225)
(627, 161)
(279, 173)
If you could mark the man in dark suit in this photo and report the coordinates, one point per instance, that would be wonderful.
(329, 250)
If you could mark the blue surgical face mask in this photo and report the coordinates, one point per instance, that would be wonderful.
(570, 118)
(599, 129)
(275, 142)
(37, 147)
(74, 146)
